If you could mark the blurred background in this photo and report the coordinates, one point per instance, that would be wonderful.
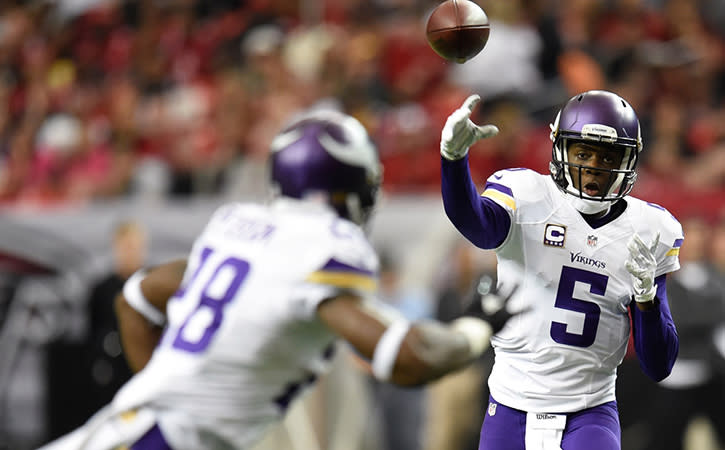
(124, 124)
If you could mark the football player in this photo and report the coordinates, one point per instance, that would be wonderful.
(605, 256)
(250, 318)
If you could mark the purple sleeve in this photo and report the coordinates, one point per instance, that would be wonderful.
(481, 220)
(655, 336)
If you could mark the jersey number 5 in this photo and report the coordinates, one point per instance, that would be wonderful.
(565, 300)
(196, 332)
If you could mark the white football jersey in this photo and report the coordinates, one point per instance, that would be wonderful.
(562, 354)
(243, 336)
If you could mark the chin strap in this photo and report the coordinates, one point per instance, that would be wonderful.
(588, 206)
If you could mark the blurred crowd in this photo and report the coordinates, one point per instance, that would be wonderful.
(109, 98)
(162, 99)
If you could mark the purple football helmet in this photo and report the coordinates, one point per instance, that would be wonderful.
(603, 118)
(327, 153)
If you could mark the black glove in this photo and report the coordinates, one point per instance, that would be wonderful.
(486, 303)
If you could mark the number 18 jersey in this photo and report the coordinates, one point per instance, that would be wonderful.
(243, 337)
(562, 354)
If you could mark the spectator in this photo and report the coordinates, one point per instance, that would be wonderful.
(85, 371)
(106, 365)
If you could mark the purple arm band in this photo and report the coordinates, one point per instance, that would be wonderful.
(655, 336)
(481, 220)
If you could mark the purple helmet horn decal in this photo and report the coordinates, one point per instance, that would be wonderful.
(330, 153)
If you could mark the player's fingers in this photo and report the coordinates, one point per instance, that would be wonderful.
(655, 242)
(471, 102)
(639, 249)
(632, 267)
(636, 246)
(633, 249)
(636, 256)
(637, 241)
(486, 131)
(456, 121)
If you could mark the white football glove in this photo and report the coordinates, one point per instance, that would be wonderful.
(459, 133)
(642, 265)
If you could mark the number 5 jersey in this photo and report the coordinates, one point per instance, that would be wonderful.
(561, 354)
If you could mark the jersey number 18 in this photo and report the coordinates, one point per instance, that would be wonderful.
(218, 290)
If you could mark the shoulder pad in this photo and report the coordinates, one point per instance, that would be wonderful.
(508, 186)
(652, 219)
(351, 262)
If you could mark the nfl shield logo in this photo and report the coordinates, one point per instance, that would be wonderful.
(492, 409)
(592, 240)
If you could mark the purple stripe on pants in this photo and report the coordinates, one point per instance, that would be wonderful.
(594, 428)
(152, 440)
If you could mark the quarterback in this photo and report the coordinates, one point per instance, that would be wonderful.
(249, 319)
(603, 254)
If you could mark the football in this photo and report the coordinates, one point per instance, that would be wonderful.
(457, 30)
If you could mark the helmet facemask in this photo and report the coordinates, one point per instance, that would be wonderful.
(357, 206)
(620, 182)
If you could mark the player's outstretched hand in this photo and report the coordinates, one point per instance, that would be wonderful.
(488, 304)
(642, 265)
(459, 133)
